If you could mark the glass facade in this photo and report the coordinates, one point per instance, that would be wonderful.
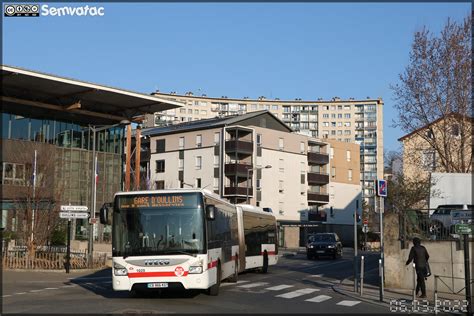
(73, 170)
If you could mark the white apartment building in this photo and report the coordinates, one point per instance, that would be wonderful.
(252, 158)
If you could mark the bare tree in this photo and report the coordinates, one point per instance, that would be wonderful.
(37, 207)
(433, 97)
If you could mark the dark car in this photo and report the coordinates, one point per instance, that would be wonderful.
(324, 244)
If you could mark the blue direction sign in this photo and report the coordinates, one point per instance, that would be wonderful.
(382, 188)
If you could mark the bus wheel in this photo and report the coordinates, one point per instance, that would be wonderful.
(234, 278)
(265, 263)
(214, 290)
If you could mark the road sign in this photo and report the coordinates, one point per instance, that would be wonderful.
(366, 221)
(73, 215)
(381, 187)
(92, 220)
(74, 208)
(365, 229)
(462, 229)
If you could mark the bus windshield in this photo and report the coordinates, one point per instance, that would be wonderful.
(158, 225)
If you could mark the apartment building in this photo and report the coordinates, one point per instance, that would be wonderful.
(351, 121)
(251, 158)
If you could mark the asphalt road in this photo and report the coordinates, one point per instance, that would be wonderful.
(295, 285)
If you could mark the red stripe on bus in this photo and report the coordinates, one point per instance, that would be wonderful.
(270, 253)
(154, 274)
(212, 264)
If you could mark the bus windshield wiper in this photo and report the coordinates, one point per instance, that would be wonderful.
(168, 252)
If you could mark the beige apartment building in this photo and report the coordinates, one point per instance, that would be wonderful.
(351, 121)
(255, 158)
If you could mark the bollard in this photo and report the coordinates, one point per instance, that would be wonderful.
(414, 283)
(436, 295)
(381, 280)
(362, 276)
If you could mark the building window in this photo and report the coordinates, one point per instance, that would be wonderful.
(160, 166)
(339, 115)
(339, 132)
(259, 184)
(198, 140)
(347, 132)
(160, 145)
(281, 143)
(217, 138)
(348, 155)
(198, 162)
(333, 115)
(160, 185)
(196, 112)
(347, 115)
(281, 165)
(347, 107)
(333, 124)
(281, 186)
(198, 182)
(333, 172)
(190, 111)
(14, 174)
(216, 161)
(326, 124)
(333, 133)
(302, 147)
(181, 143)
(339, 107)
(349, 174)
(428, 160)
(181, 164)
(326, 115)
(331, 153)
(182, 110)
(203, 112)
(259, 139)
(339, 124)
(347, 123)
(275, 107)
(455, 130)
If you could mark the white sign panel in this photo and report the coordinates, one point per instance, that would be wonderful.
(79, 215)
(74, 208)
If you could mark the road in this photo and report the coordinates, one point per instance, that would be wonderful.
(295, 285)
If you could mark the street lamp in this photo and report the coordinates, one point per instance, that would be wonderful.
(94, 130)
(248, 176)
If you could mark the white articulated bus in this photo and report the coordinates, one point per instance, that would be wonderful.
(186, 238)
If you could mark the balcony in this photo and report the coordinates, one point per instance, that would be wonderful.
(318, 178)
(239, 169)
(317, 198)
(239, 146)
(237, 191)
(318, 158)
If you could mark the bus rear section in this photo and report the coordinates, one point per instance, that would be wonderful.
(258, 236)
(183, 239)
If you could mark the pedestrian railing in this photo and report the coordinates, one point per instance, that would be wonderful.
(22, 259)
(439, 279)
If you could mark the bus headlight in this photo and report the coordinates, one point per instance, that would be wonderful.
(119, 270)
(195, 270)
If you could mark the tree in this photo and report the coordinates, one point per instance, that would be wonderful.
(436, 87)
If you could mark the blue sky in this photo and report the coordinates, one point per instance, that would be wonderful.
(285, 50)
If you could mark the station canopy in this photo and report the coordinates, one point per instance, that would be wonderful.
(45, 96)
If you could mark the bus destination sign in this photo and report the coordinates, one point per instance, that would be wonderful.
(158, 201)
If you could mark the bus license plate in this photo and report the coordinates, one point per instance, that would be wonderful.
(157, 285)
(320, 251)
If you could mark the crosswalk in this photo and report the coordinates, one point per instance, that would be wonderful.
(288, 291)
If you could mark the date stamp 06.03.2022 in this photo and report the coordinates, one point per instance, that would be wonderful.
(425, 306)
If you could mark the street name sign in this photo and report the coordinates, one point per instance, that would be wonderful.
(74, 208)
(73, 215)
(463, 229)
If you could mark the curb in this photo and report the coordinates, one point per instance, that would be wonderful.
(361, 298)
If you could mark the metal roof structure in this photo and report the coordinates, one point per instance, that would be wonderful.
(209, 123)
(48, 96)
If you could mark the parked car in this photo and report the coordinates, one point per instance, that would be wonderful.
(324, 244)
(445, 217)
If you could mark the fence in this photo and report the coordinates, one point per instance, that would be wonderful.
(418, 223)
(21, 259)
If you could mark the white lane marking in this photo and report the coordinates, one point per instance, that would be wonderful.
(20, 293)
(52, 288)
(306, 264)
(319, 299)
(297, 293)
(248, 286)
(316, 276)
(68, 286)
(6, 295)
(33, 291)
(227, 284)
(348, 303)
(278, 287)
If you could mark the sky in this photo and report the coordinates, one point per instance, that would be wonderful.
(284, 50)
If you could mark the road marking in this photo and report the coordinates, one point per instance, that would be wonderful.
(278, 287)
(348, 303)
(297, 293)
(319, 299)
(51, 288)
(21, 293)
(238, 282)
(68, 285)
(316, 276)
(247, 286)
(6, 295)
(33, 291)
(306, 263)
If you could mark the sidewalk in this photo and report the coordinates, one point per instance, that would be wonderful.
(372, 294)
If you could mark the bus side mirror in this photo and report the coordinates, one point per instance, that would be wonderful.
(104, 214)
(210, 212)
